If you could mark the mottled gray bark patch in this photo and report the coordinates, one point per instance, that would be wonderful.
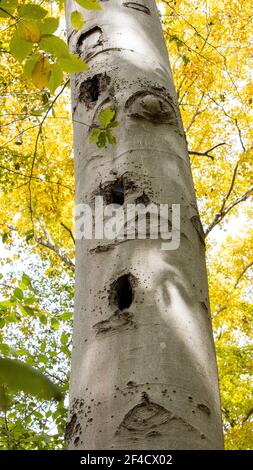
(73, 427)
(143, 199)
(70, 427)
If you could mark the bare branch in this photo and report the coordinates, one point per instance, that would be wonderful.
(69, 231)
(248, 415)
(49, 243)
(207, 152)
(23, 175)
(224, 210)
(37, 143)
(242, 274)
(66, 260)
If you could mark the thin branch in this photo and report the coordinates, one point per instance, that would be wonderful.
(248, 415)
(242, 274)
(37, 143)
(224, 211)
(23, 175)
(240, 135)
(207, 152)
(66, 260)
(196, 113)
(69, 231)
(49, 243)
(219, 311)
(7, 13)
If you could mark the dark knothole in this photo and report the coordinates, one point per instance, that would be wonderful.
(91, 89)
(137, 6)
(113, 192)
(89, 40)
(118, 193)
(122, 292)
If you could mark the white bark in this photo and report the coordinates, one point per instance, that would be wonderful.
(144, 375)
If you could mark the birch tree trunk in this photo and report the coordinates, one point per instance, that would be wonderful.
(144, 372)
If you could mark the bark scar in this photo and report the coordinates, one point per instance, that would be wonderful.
(149, 419)
(120, 320)
(152, 105)
(138, 7)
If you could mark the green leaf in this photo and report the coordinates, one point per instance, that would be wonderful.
(30, 300)
(43, 319)
(89, 4)
(54, 45)
(30, 64)
(30, 234)
(185, 59)
(2, 322)
(4, 348)
(65, 350)
(25, 281)
(43, 358)
(20, 376)
(94, 135)
(55, 324)
(4, 399)
(7, 8)
(113, 124)
(101, 142)
(66, 316)
(4, 237)
(18, 293)
(56, 78)
(26, 310)
(111, 137)
(6, 304)
(30, 10)
(20, 48)
(13, 317)
(64, 338)
(77, 19)
(21, 352)
(29, 31)
(174, 37)
(106, 116)
(49, 25)
(72, 64)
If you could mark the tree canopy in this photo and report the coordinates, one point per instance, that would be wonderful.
(210, 49)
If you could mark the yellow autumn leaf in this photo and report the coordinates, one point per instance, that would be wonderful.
(29, 31)
(41, 73)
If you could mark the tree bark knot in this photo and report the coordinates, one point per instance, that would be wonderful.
(150, 419)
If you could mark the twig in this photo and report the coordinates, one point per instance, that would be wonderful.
(69, 231)
(242, 274)
(207, 152)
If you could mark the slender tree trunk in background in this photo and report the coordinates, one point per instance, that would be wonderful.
(144, 372)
